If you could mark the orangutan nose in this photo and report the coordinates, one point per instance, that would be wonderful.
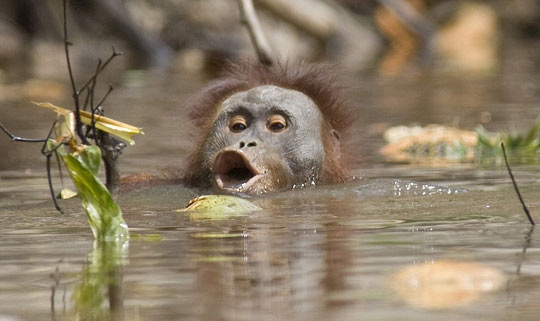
(250, 144)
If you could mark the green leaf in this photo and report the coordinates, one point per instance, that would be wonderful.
(216, 207)
(483, 137)
(524, 149)
(51, 145)
(104, 215)
(531, 134)
(91, 158)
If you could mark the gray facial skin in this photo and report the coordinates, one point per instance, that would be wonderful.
(279, 159)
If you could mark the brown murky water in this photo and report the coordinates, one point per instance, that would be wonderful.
(327, 253)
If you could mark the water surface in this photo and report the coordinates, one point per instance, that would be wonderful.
(324, 253)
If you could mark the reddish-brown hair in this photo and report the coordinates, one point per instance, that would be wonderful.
(316, 81)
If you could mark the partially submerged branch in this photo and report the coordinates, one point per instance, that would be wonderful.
(109, 158)
(516, 187)
(526, 245)
(69, 140)
(256, 34)
(111, 149)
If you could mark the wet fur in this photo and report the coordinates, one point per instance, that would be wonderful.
(316, 81)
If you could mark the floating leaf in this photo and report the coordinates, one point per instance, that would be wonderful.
(119, 129)
(218, 235)
(220, 259)
(147, 237)
(218, 207)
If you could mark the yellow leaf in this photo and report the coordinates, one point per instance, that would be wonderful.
(119, 129)
(66, 193)
(58, 110)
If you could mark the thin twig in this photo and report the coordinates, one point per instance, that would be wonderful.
(51, 188)
(516, 187)
(59, 165)
(75, 93)
(92, 87)
(99, 70)
(104, 97)
(256, 34)
(91, 91)
(86, 101)
(48, 154)
(20, 139)
(44, 150)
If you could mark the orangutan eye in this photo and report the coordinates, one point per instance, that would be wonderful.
(238, 124)
(277, 123)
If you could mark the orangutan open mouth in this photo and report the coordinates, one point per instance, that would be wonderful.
(233, 171)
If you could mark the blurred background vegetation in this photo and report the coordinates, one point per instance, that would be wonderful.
(457, 63)
(389, 37)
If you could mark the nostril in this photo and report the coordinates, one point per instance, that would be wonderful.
(242, 144)
(252, 144)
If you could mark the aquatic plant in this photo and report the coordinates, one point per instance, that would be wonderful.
(435, 144)
(82, 162)
(521, 148)
(69, 139)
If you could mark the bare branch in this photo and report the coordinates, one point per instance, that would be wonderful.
(51, 188)
(415, 21)
(48, 154)
(59, 165)
(411, 17)
(516, 187)
(44, 151)
(90, 90)
(320, 21)
(90, 99)
(256, 34)
(20, 139)
(100, 69)
(104, 97)
(75, 93)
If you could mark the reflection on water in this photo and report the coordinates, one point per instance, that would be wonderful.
(100, 295)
